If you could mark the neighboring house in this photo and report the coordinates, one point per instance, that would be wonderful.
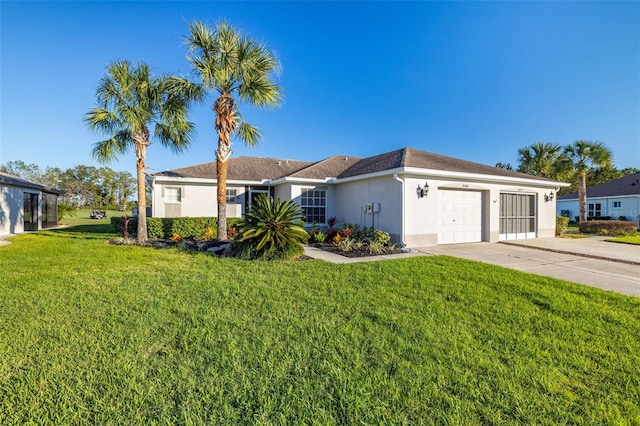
(616, 198)
(418, 197)
(26, 206)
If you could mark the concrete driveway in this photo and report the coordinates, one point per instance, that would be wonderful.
(591, 261)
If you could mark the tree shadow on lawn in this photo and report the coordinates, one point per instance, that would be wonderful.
(93, 231)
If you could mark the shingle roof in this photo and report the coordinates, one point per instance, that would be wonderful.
(329, 167)
(627, 185)
(340, 166)
(242, 168)
(8, 179)
(409, 157)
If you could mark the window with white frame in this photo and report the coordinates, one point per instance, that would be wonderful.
(232, 195)
(595, 210)
(172, 195)
(313, 202)
(617, 204)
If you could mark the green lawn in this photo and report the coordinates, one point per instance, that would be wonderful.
(627, 239)
(82, 217)
(97, 334)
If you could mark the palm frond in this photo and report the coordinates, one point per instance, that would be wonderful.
(109, 150)
(249, 134)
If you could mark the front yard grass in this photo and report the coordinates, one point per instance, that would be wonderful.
(97, 334)
(627, 239)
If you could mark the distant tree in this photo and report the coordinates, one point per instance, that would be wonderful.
(540, 159)
(231, 63)
(30, 172)
(506, 166)
(581, 156)
(130, 100)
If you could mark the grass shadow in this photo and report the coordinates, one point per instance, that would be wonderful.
(93, 231)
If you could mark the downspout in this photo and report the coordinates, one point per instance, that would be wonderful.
(396, 177)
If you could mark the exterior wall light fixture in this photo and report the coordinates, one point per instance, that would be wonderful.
(548, 197)
(422, 192)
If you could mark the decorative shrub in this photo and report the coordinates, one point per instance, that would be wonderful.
(177, 237)
(231, 232)
(332, 222)
(209, 233)
(622, 218)
(272, 229)
(132, 227)
(154, 227)
(165, 227)
(561, 224)
(608, 227)
(598, 217)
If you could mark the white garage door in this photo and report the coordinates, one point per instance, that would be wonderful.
(459, 216)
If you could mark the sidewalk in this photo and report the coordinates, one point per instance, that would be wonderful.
(592, 247)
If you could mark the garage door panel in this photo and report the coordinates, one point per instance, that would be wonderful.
(460, 216)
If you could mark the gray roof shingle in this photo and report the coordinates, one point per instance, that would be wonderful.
(242, 168)
(340, 166)
(627, 185)
(409, 157)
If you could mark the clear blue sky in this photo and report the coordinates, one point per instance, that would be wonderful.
(473, 80)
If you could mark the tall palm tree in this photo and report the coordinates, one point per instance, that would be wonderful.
(129, 101)
(539, 159)
(581, 156)
(230, 63)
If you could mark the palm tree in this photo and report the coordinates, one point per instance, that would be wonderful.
(540, 159)
(129, 101)
(581, 156)
(230, 63)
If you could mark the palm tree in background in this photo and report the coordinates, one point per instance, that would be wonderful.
(581, 156)
(230, 63)
(540, 159)
(130, 101)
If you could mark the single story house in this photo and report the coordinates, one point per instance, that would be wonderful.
(420, 198)
(26, 206)
(616, 198)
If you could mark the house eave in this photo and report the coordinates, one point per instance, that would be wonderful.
(445, 174)
(206, 181)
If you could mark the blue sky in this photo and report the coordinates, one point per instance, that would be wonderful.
(473, 80)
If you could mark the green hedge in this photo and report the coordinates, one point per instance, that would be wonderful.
(561, 224)
(608, 227)
(165, 227)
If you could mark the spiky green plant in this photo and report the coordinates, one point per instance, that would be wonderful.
(272, 229)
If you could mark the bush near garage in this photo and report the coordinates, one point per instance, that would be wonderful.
(561, 225)
(608, 227)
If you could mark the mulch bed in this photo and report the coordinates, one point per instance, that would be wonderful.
(364, 252)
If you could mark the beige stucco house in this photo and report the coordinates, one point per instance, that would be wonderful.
(420, 198)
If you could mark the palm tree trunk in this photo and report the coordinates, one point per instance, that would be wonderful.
(226, 123)
(222, 167)
(582, 196)
(141, 153)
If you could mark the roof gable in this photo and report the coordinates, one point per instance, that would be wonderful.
(626, 185)
(329, 167)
